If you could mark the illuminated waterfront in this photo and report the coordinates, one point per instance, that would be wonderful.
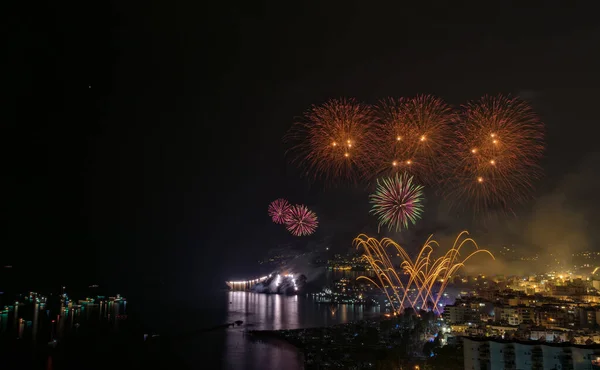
(56, 331)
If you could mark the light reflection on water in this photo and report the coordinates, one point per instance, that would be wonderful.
(275, 312)
(32, 321)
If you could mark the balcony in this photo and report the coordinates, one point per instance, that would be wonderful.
(566, 361)
(509, 351)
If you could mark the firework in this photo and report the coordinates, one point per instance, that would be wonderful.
(397, 201)
(413, 283)
(333, 141)
(301, 221)
(279, 210)
(413, 136)
(497, 153)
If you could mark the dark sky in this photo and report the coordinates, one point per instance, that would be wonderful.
(164, 167)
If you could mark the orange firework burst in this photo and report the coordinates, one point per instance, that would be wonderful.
(333, 141)
(497, 153)
(413, 136)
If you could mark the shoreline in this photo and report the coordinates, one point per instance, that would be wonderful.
(357, 344)
(317, 346)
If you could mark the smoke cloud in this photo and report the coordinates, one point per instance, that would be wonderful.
(562, 221)
(560, 224)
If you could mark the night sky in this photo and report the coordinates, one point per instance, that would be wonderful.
(142, 144)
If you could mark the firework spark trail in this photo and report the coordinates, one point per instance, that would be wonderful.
(301, 221)
(397, 201)
(334, 141)
(279, 210)
(379, 262)
(413, 136)
(423, 272)
(496, 155)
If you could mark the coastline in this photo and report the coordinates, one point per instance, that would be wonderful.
(363, 344)
(353, 344)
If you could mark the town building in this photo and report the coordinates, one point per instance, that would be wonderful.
(496, 354)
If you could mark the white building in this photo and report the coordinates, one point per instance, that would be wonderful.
(492, 354)
(513, 315)
(550, 335)
(587, 338)
(455, 314)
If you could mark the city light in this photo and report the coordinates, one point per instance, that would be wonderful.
(254, 281)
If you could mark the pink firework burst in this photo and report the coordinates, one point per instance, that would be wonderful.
(301, 221)
(279, 210)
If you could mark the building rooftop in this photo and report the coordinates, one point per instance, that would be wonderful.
(533, 342)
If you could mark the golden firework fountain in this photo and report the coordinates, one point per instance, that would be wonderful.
(424, 272)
